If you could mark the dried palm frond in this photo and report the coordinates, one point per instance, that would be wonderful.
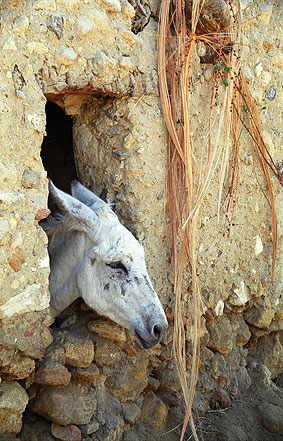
(188, 181)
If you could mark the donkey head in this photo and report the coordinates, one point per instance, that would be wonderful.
(110, 272)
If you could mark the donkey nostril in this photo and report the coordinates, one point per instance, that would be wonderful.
(156, 332)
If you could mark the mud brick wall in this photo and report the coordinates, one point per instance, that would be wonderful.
(97, 60)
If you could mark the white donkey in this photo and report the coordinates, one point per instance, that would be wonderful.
(93, 256)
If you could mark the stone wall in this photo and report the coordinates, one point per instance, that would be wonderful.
(98, 61)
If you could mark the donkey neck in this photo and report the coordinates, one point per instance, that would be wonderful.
(64, 263)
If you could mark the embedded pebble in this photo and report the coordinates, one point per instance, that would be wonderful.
(258, 246)
(247, 73)
(271, 93)
(30, 178)
(242, 295)
(17, 259)
(265, 64)
(258, 70)
(66, 55)
(219, 308)
(85, 25)
(55, 24)
(20, 94)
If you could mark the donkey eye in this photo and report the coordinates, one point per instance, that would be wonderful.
(117, 265)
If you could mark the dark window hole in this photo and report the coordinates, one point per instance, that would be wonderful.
(57, 148)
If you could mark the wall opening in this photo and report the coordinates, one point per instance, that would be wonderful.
(57, 148)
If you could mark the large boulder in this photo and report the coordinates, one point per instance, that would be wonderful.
(74, 404)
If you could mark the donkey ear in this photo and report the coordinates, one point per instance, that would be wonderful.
(73, 208)
(87, 197)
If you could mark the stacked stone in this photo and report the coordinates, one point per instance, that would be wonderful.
(83, 391)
